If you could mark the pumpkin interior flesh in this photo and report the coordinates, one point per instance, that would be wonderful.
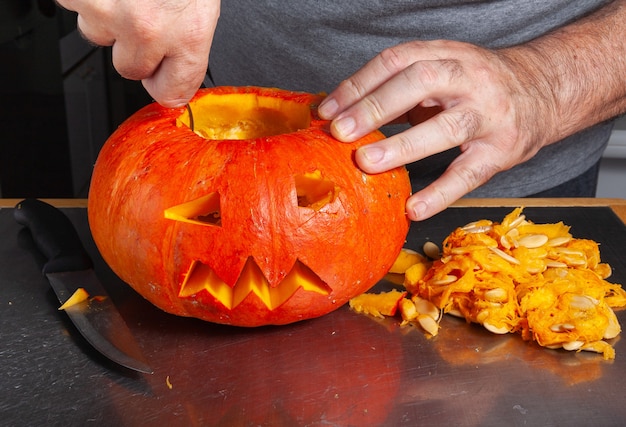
(201, 277)
(243, 116)
(314, 191)
(204, 210)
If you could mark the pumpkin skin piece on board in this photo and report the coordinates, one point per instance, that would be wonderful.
(256, 216)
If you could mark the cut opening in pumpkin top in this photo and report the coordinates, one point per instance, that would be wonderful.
(244, 116)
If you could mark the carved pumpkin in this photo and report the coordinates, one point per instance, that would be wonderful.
(256, 216)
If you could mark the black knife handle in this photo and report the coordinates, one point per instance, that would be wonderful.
(54, 235)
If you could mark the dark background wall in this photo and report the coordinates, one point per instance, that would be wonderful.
(59, 100)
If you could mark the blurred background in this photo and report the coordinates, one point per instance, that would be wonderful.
(60, 99)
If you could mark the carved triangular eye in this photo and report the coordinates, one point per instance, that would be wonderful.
(202, 211)
(313, 191)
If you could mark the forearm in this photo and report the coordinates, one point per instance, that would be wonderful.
(577, 74)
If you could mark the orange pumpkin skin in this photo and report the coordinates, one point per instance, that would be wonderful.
(271, 202)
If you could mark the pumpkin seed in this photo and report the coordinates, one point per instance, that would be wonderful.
(562, 327)
(613, 329)
(429, 324)
(475, 224)
(425, 307)
(573, 345)
(475, 228)
(446, 280)
(460, 250)
(568, 251)
(555, 264)
(533, 240)
(495, 295)
(583, 302)
(575, 262)
(553, 346)
(496, 330)
(504, 255)
(455, 312)
(517, 221)
(558, 241)
(431, 250)
(481, 316)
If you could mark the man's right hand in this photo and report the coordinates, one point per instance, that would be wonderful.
(163, 43)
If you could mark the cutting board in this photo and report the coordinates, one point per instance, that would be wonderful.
(340, 369)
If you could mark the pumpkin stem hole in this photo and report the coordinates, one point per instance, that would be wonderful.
(242, 116)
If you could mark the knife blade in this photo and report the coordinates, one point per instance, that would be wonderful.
(68, 268)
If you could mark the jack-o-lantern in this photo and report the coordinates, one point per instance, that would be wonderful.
(243, 209)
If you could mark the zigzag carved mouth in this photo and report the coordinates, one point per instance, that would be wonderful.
(201, 277)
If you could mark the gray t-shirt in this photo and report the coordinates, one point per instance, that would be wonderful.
(313, 45)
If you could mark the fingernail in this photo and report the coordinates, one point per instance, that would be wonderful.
(418, 211)
(344, 126)
(372, 153)
(328, 108)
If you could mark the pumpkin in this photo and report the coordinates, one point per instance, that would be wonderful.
(242, 209)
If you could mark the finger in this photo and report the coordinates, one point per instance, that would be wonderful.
(136, 61)
(183, 67)
(448, 129)
(71, 5)
(98, 35)
(175, 81)
(426, 83)
(467, 172)
(382, 67)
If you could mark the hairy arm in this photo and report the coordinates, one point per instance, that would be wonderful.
(578, 71)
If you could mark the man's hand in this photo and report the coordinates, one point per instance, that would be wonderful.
(500, 107)
(163, 43)
(479, 106)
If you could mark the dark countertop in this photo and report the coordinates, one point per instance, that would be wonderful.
(341, 369)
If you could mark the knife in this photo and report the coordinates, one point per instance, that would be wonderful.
(68, 268)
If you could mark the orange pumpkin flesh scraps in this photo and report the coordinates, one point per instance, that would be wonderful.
(517, 276)
(77, 297)
(243, 209)
(377, 305)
